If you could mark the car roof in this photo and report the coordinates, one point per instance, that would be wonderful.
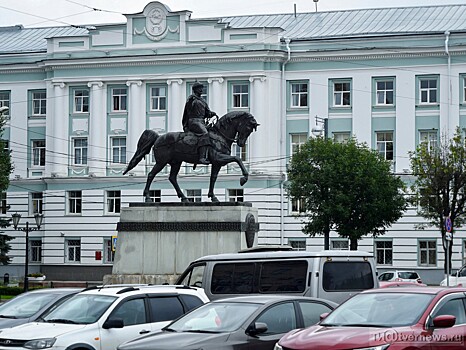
(55, 290)
(266, 299)
(416, 290)
(125, 290)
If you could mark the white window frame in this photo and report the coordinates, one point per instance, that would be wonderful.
(297, 140)
(118, 151)
(339, 244)
(38, 103)
(235, 195)
(298, 244)
(119, 99)
(5, 102)
(36, 202)
(383, 251)
(80, 151)
(158, 98)
(240, 95)
(81, 101)
(299, 95)
(340, 97)
(38, 153)
(430, 137)
(113, 202)
(384, 92)
(35, 250)
(109, 254)
(297, 206)
(430, 246)
(383, 144)
(464, 90)
(341, 137)
(156, 195)
(74, 202)
(241, 152)
(194, 195)
(426, 93)
(73, 250)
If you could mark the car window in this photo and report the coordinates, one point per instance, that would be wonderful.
(191, 301)
(462, 272)
(233, 278)
(194, 277)
(131, 312)
(283, 276)
(342, 275)
(165, 308)
(387, 276)
(26, 305)
(408, 275)
(279, 318)
(454, 307)
(312, 311)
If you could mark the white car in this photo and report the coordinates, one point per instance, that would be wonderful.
(400, 276)
(456, 279)
(102, 318)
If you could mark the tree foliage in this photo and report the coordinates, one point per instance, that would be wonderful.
(5, 170)
(345, 186)
(440, 183)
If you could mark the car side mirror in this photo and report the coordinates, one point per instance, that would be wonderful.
(323, 316)
(444, 321)
(113, 323)
(257, 328)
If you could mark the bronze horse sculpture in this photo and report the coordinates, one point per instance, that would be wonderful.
(174, 148)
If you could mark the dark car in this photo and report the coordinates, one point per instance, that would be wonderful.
(249, 322)
(390, 318)
(29, 306)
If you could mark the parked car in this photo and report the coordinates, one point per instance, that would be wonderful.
(400, 276)
(457, 278)
(334, 275)
(400, 284)
(29, 306)
(391, 318)
(102, 318)
(248, 322)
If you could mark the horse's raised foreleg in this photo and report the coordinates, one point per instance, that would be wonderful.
(155, 170)
(226, 159)
(175, 169)
(213, 178)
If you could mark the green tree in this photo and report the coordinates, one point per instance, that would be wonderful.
(5, 170)
(440, 184)
(346, 187)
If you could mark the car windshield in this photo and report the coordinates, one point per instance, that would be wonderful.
(379, 310)
(215, 317)
(408, 275)
(80, 309)
(25, 305)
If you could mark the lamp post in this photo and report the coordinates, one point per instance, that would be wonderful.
(16, 217)
(322, 127)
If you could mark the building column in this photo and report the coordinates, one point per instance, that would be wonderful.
(216, 95)
(257, 147)
(58, 142)
(136, 122)
(175, 105)
(97, 144)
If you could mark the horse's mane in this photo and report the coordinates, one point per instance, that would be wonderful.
(230, 116)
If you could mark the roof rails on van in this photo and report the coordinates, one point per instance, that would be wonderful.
(267, 248)
(114, 286)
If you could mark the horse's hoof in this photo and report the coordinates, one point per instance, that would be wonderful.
(148, 200)
(184, 200)
(214, 199)
(243, 180)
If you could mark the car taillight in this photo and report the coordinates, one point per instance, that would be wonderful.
(398, 280)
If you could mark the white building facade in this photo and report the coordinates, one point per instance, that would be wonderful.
(79, 98)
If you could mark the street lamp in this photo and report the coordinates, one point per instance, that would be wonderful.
(322, 127)
(16, 217)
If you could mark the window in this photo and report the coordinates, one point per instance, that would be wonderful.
(37, 200)
(165, 308)
(384, 92)
(132, 312)
(297, 140)
(232, 278)
(240, 95)
(119, 97)
(74, 202)
(283, 276)
(341, 94)
(454, 307)
(109, 254)
(73, 250)
(5, 101)
(299, 95)
(464, 90)
(428, 90)
(384, 252)
(113, 202)
(347, 276)
(118, 150)
(81, 101)
(312, 311)
(155, 195)
(341, 137)
(339, 244)
(158, 98)
(298, 205)
(38, 152)
(298, 244)
(241, 152)
(80, 151)
(385, 144)
(236, 195)
(194, 195)
(35, 250)
(280, 319)
(194, 276)
(430, 138)
(3, 203)
(428, 253)
(39, 103)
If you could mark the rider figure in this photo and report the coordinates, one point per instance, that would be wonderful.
(196, 111)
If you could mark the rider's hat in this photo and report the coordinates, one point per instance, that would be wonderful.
(197, 85)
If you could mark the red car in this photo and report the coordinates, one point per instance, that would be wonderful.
(389, 319)
(400, 284)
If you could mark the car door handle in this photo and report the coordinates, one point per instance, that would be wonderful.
(144, 331)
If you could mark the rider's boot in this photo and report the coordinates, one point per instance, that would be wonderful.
(203, 155)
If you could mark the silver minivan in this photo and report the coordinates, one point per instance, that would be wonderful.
(334, 275)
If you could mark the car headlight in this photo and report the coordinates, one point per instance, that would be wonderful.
(40, 343)
(379, 347)
(277, 347)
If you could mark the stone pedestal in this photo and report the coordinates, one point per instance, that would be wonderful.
(157, 241)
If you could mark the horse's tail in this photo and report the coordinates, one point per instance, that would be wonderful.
(145, 143)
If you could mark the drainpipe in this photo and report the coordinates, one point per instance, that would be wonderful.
(282, 142)
(447, 38)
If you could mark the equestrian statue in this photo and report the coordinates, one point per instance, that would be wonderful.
(199, 143)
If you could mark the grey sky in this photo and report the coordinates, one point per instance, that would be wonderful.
(38, 13)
